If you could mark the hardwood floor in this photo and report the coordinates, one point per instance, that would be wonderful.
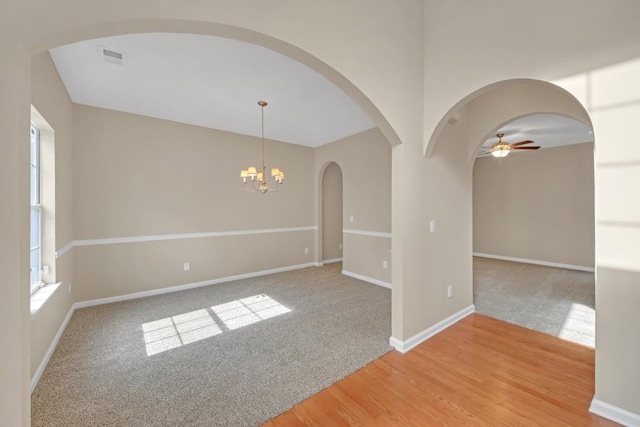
(479, 372)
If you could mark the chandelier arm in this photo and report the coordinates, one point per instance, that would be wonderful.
(248, 186)
(273, 186)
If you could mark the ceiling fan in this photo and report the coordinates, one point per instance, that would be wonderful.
(502, 149)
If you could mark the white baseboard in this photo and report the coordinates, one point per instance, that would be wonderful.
(613, 413)
(45, 360)
(367, 279)
(533, 261)
(194, 285)
(421, 337)
(331, 261)
(90, 303)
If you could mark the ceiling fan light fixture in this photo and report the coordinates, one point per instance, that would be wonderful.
(502, 149)
(500, 152)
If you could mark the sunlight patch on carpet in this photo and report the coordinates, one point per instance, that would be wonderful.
(175, 331)
(579, 325)
(246, 311)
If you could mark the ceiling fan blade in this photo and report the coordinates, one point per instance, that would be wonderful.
(483, 153)
(515, 144)
(526, 148)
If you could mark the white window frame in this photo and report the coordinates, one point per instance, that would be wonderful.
(36, 211)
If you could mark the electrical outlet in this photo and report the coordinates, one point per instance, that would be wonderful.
(385, 264)
(340, 246)
(449, 291)
(350, 218)
(187, 266)
(69, 288)
(306, 251)
(432, 226)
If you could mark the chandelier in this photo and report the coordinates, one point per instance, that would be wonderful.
(255, 181)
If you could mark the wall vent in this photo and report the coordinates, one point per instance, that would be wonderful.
(112, 56)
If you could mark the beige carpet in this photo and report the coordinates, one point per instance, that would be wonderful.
(555, 301)
(233, 354)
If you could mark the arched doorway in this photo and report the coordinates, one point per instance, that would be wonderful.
(475, 119)
(332, 214)
(19, 70)
(533, 228)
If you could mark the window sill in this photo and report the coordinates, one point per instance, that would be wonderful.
(41, 296)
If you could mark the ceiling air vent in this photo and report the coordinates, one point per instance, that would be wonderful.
(113, 56)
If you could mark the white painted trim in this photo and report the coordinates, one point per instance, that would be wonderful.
(421, 337)
(63, 250)
(178, 288)
(331, 261)
(160, 237)
(52, 288)
(613, 413)
(396, 343)
(45, 360)
(367, 233)
(367, 279)
(533, 261)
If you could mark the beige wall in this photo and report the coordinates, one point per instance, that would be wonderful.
(365, 199)
(332, 212)
(612, 97)
(536, 205)
(50, 98)
(444, 258)
(471, 56)
(104, 271)
(15, 112)
(139, 176)
(136, 176)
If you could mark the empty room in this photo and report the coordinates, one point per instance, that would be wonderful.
(237, 213)
(533, 213)
(181, 200)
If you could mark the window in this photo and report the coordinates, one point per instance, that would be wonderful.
(36, 212)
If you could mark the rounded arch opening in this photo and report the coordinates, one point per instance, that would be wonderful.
(490, 107)
(330, 213)
(514, 226)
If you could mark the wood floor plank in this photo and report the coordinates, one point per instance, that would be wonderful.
(472, 395)
(480, 371)
(286, 419)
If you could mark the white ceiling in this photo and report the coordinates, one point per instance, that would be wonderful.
(545, 130)
(216, 83)
(211, 82)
